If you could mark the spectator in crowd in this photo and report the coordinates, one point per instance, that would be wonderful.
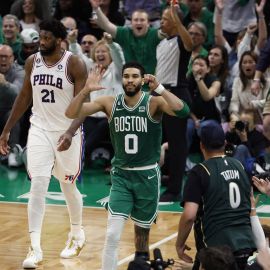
(11, 80)
(80, 10)
(208, 195)
(138, 42)
(110, 8)
(11, 37)
(204, 88)
(261, 67)
(247, 143)
(197, 13)
(173, 54)
(218, 63)
(30, 12)
(30, 45)
(236, 16)
(198, 33)
(242, 96)
(245, 40)
(109, 55)
(152, 7)
(87, 44)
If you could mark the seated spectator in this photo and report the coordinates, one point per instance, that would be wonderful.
(11, 79)
(198, 33)
(30, 12)
(138, 42)
(246, 143)
(30, 45)
(11, 37)
(242, 96)
(87, 44)
(203, 88)
(152, 7)
(197, 13)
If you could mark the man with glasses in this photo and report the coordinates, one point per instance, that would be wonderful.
(11, 79)
(87, 44)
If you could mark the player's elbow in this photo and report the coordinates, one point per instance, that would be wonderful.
(69, 114)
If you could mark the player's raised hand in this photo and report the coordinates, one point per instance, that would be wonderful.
(4, 147)
(152, 81)
(93, 80)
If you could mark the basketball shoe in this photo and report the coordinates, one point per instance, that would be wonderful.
(33, 259)
(74, 245)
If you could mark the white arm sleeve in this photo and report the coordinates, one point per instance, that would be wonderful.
(258, 234)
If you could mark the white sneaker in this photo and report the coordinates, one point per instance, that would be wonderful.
(33, 259)
(73, 246)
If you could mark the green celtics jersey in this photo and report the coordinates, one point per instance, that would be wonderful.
(226, 204)
(135, 135)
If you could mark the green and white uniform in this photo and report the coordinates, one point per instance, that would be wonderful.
(136, 139)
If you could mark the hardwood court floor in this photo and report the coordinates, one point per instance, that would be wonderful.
(14, 238)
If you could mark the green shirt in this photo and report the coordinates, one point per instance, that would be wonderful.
(139, 49)
(135, 135)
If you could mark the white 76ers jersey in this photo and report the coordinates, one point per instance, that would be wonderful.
(52, 93)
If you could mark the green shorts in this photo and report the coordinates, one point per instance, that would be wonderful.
(135, 194)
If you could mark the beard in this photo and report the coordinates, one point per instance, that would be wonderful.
(132, 93)
(48, 51)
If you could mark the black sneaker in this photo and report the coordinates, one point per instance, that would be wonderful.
(168, 197)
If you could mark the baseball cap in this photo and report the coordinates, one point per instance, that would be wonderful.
(212, 135)
(29, 35)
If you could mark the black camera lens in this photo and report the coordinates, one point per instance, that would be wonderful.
(240, 125)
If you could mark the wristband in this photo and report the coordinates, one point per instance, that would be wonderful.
(160, 89)
(256, 80)
(253, 208)
(198, 78)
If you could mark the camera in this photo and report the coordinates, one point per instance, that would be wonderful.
(156, 264)
(241, 125)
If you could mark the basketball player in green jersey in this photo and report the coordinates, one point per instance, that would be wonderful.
(218, 193)
(135, 128)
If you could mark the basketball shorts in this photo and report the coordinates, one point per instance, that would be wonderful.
(135, 194)
(43, 159)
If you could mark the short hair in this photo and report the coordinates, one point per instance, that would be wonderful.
(204, 58)
(139, 10)
(218, 258)
(199, 25)
(12, 17)
(55, 27)
(134, 65)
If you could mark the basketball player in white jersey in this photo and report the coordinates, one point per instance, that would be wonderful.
(54, 146)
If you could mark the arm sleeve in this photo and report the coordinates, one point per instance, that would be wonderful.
(258, 234)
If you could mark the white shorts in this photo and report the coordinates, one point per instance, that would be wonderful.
(43, 159)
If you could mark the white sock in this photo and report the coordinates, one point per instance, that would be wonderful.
(74, 204)
(36, 209)
(115, 227)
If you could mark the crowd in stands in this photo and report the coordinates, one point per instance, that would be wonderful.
(208, 58)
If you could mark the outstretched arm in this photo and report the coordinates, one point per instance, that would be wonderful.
(102, 20)
(78, 106)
